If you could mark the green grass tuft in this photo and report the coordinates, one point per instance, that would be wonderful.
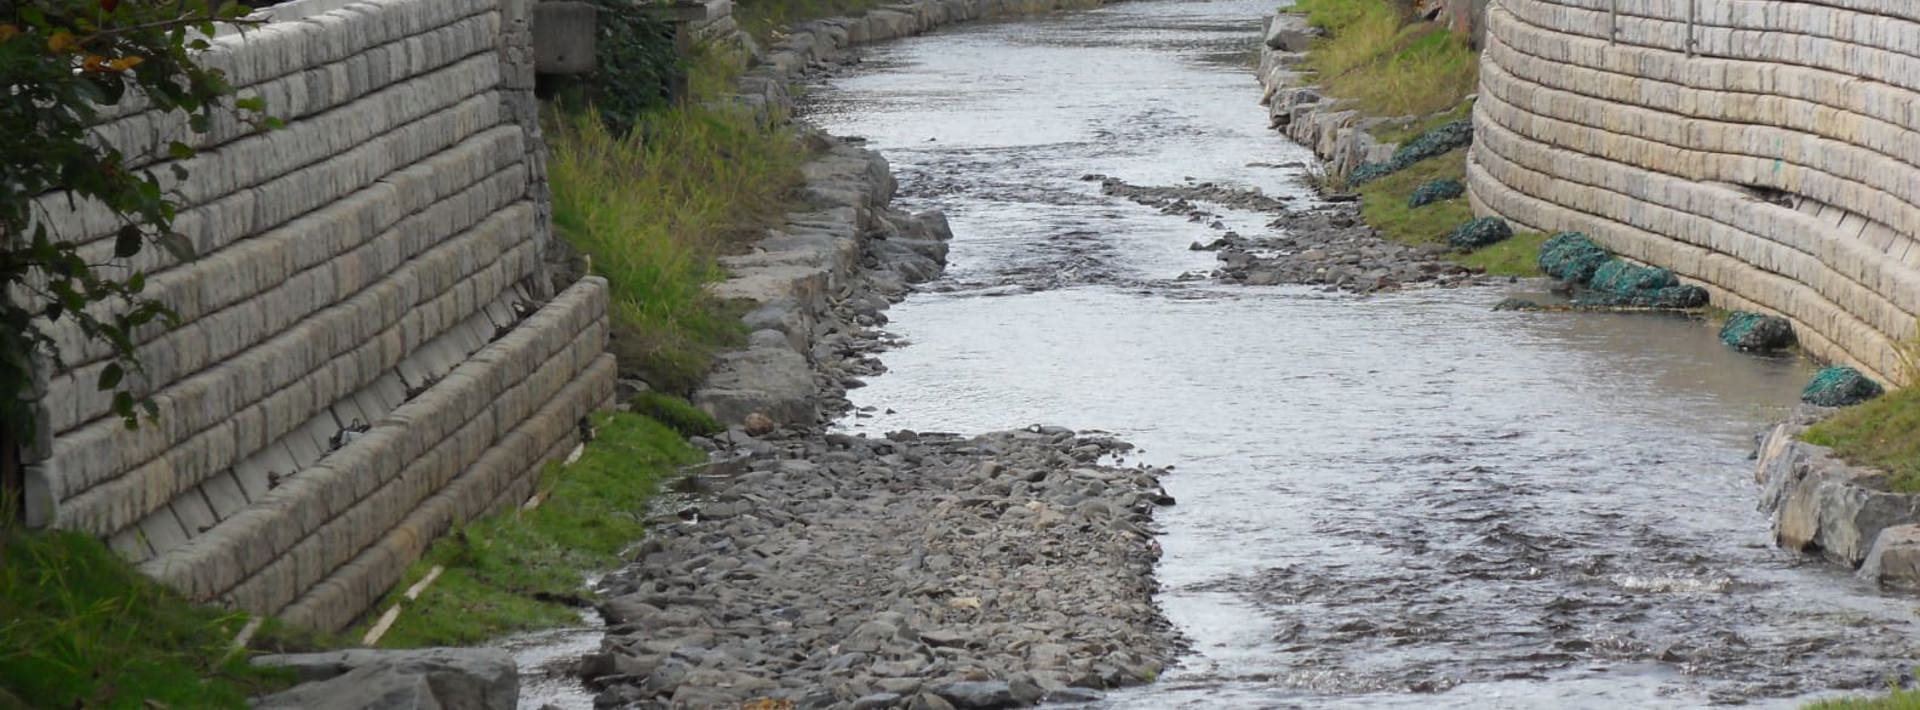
(1383, 203)
(1896, 699)
(676, 413)
(79, 627)
(1387, 63)
(1518, 256)
(1883, 433)
(520, 570)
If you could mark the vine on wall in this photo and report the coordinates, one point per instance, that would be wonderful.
(61, 63)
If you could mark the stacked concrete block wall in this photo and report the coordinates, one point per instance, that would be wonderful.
(369, 349)
(1768, 149)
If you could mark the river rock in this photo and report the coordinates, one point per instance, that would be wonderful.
(1894, 560)
(977, 694)
(480, 678)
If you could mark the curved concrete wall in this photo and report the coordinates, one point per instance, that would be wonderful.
(369, 351)
(1768, 149)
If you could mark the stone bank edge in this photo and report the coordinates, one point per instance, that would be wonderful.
(790, 281)
(1823, 505)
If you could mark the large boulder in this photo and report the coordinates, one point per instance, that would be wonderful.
(423, 679)
(1288, 33)
(767, 379)
(1894, 560)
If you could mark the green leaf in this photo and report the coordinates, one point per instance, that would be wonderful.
(251, 103)
(126, 242)
(110, 377)
(178, 245)
(179, 151)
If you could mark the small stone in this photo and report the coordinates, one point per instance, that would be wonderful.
(971, 694)
(876, 701)
(758, 424)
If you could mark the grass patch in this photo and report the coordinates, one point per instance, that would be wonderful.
(678, 414)
(654, 208)
(1383, 203)
(1385, 61)
(520, 570)
(1518, 256)
(1897, 699)
(1880, 433)
(79, 627)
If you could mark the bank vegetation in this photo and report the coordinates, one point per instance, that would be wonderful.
(1378, 57)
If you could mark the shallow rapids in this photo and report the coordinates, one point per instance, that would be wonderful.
(1385, 501)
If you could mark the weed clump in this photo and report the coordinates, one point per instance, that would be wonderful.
(678, 414)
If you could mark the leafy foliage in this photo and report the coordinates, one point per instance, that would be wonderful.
(635, 63)
(62, 62)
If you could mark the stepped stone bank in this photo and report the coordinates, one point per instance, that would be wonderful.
(371, 347)
(1765, 149)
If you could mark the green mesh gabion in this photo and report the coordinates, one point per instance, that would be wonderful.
(1572, 257)
(1617, 276)
(1433, 191)
(1669, 298)
(1754, 332)
(1434, 142)
(1479, 233)
(1840, 387)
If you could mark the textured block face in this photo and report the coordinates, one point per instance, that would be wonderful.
(563, 37)
(349, 346)
(1661, 136)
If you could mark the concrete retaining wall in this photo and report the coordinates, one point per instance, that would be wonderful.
(1765, 148)
(370, 350)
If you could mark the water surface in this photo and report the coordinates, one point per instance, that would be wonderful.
(1397, 500)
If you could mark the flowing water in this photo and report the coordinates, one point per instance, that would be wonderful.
(1397, 500)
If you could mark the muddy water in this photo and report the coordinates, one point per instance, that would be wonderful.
(1400, 500)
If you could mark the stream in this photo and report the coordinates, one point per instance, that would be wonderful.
(1394, 500)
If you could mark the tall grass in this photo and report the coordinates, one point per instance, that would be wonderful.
(79, 627)
(1388, 64)
(655, 208)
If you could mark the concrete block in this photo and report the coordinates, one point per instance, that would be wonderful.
(564, 36)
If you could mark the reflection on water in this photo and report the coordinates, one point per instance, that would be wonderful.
(1390, 501)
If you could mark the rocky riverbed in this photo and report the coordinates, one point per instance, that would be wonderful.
(1321, 243)
(916, 570)
(813, 568)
